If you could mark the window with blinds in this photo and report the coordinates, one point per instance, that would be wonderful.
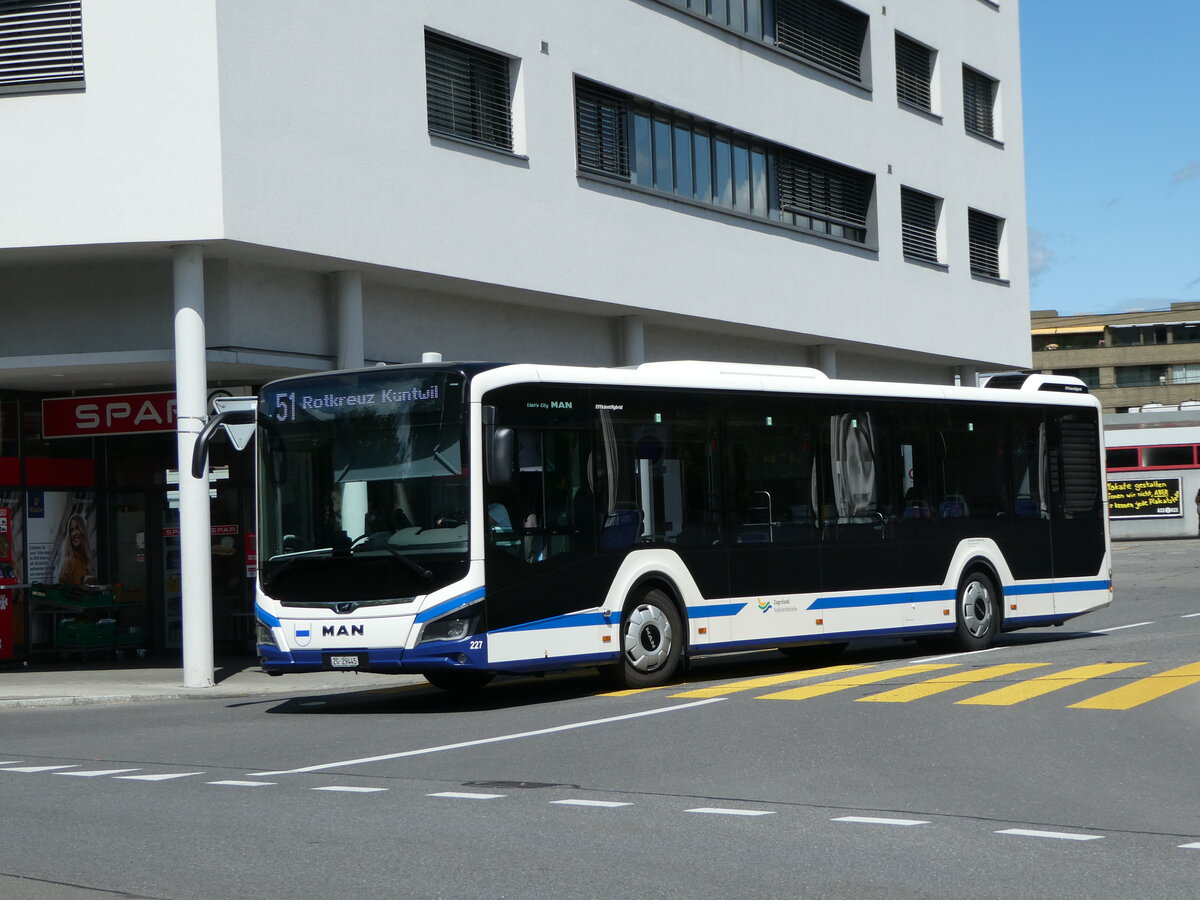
(979, 99)
(984, 234)
(918, 225)
(602, 130)
(671, 152)
(914, 73)
(824, 31)
(468, 92)
(825, 197)
(41, 45)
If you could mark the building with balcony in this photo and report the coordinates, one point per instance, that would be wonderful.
(1134, 360)
(317, 185)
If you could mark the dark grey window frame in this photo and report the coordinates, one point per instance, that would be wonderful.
(919, 216)
(979, 102)
(797, 29)
(914, 73)
(468, 92)
(41, 46)
(788, 187)
(984, 234)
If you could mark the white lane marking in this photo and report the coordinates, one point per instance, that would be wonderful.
(32, 769)
(11, 762)
(350, 789)
(714, 811)
(1119, 627)
(1190, 616)
(606, 804)
(1056, 835)
(1195, 845)
(464, 795)
(96, 773)
(924, 659)
(233, 783)
(482, 741)
(166, 777)
(873, 820)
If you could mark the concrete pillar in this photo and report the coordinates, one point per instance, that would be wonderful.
(349, 297)
(968, 376)
(827, 359)
(633, 340)
(191, 400)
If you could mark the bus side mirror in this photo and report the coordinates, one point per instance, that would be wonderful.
(500, 457)
(226, 418)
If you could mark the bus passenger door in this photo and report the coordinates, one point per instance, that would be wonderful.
(773, 523)
(540, 553)
(860, 506)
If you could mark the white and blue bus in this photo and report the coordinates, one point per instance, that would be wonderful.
(463, 520)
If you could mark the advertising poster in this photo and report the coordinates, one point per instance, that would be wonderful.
(1145, 498)
(62, 537)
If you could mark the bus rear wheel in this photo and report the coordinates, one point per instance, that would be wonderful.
(978, 612)
(651, 641)
(459, 681)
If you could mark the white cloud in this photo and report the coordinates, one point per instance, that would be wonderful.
(1041, 257)
(1191, 170)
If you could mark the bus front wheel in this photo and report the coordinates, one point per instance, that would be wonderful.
(978, 612)
(651, 641)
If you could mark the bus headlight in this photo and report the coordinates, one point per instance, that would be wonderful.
(265, 635)
(454, 627)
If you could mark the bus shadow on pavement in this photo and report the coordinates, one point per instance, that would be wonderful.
(519, 691)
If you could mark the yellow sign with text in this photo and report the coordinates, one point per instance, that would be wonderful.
(1145, 498)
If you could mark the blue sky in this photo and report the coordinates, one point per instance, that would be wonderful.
(1111, 92)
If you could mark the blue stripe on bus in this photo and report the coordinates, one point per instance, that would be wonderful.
(716, 611)
(450, 605)
(574, 620)
(1064, 587)
(881, 599)
(266, 618)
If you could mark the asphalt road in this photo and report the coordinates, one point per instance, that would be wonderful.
(1059, 764)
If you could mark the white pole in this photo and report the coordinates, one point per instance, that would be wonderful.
(351, 354)
(827, 359)
(633, 341)
(191, 411)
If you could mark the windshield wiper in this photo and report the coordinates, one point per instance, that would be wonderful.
(411, 564)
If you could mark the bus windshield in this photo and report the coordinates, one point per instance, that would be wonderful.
(363, 493)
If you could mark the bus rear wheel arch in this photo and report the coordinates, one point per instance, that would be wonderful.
(652, 640)
(978, 610)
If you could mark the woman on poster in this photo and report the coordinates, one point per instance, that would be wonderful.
(78, 565)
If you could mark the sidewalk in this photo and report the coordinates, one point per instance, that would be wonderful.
(73, 685)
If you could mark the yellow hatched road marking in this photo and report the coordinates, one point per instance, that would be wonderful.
(1045, 684)
(945, 683)
(767, 681)
(841, 684)
(631, 691)
(1143, 690)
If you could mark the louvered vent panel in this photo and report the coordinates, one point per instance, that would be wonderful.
(468, 92)
(41, 44)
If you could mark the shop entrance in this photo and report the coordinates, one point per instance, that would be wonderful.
(231, 530)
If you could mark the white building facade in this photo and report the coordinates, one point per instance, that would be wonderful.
(805, 182)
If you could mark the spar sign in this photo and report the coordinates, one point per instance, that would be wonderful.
(68, 417)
